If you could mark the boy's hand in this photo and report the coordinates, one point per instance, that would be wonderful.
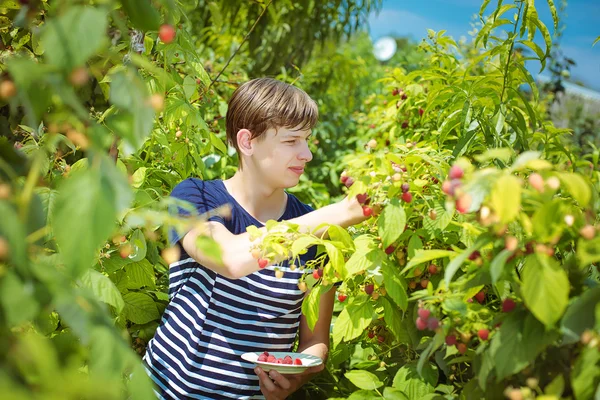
(275, 386)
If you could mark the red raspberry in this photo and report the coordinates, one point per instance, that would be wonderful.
(480, 297)
(450, 340)
(424, 313)
(280, 361)
(271, 359)
(407, 197)
(483, 334)
(297, 361)
(342, 297)
(390, 249)
(362, 198)
(262, 262)
(456, 172)
(508, 305)
(421, 324)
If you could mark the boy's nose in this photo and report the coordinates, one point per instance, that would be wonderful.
(306, 154)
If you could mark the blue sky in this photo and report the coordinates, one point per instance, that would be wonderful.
(413, 18)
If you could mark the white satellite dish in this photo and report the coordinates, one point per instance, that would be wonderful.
(384, 48)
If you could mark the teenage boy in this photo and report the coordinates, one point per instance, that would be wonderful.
(218, 311)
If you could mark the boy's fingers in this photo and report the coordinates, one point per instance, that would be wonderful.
(265, 381)
(280, 379)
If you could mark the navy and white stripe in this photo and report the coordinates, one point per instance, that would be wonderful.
(212, 320)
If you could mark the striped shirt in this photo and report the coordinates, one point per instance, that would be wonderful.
(212, 320)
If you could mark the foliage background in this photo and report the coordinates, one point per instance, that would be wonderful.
(104, 119)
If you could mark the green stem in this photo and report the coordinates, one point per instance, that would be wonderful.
(510, 51)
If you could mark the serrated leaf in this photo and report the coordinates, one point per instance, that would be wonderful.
(310, 305)
(352, 321)
(103, 288)
(363, 379)
(458, 261)
(74, 36)
(391, 223)
(588, 251)
(423, 256)
(545, 288)
(506, 198)
(393, 321)
(139, 308)
(577, 187)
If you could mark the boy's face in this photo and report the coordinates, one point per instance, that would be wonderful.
(280, 156)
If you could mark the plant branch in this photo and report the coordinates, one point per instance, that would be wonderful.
(240, 46)
(510, 51)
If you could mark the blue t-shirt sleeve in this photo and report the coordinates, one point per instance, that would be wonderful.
(201, 196)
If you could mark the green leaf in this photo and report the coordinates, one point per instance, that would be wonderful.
(545, 288)
(390, 393)
(310, 305)
(414, 244)
(395, 287)
(301, 244)
(393, 321)
(584, 376)
(364, 395)
(498, 264)
(483, 7)
(103, 288)
(588, 251)
(135, 118)
(210, 248)
(218, 143)
(139, 177)
(537, 50)
(503, 154)
(96, 204)
(547, 223)
(458, 261)
(556, 387)
(142, 14)
(577, 187)
(13, 230)
(363, 379)
(580, 315)
(596, 41)
(138, 243)
(408, 380)
(74, 36)
(362, 261)
(139, 308)
(352, 321)
(114, 263)
(17, 299)
(140, 274)
(506, 198)
(518, 342)
(336, 258)
(391, 223)
(554, 13)
(189, 87)
(339, 234)
(423, 256)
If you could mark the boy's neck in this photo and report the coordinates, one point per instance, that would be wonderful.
(259, 200)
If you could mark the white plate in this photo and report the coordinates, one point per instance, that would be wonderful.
(308, 361)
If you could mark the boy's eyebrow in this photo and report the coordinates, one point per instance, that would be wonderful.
(294, 134)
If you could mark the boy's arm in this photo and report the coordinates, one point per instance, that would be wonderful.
(236, 249)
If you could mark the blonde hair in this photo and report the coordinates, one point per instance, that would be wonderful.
(265, 103)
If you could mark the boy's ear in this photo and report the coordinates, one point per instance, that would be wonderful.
(244, 140)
